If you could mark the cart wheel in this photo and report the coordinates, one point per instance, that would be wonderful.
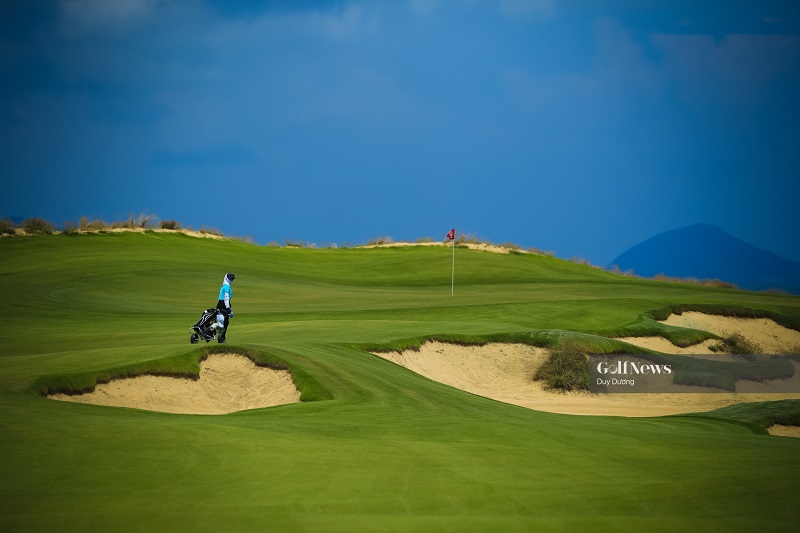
(194, 338)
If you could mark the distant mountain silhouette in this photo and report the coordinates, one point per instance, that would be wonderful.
(703, 251)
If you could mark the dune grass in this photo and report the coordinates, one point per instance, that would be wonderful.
(567, 368)
(382, 448)
(736, 343)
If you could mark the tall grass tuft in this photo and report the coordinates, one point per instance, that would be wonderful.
(375, 241)
(133, 222)
(470, 238)
(567, 368)
(718, 283)
(579, 260)
(210, 231)
(694, 281)
(737, 344)
(538, 251)
(92, 225)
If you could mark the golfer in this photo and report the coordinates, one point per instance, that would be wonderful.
(224, 303)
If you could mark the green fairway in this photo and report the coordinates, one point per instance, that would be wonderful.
(381, 448)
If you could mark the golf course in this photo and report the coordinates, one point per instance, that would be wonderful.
(365, 443)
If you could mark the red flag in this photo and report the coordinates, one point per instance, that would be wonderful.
(451, 234)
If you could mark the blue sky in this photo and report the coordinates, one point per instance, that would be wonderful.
(582, 127)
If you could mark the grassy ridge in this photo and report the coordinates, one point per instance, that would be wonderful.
(760, 415)
(181, 366)
(388, 450)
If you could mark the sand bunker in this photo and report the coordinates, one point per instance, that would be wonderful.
(228, 383)
(504, 372)
(660, 344)
(766, 333)
(784, 431)
(769, 335)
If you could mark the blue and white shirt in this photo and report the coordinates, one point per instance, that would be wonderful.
(225, 292)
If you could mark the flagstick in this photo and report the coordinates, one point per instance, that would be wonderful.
(453, 277)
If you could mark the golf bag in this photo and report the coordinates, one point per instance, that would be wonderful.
(208, 327)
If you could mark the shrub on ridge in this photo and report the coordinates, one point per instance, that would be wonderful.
(36, 226)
